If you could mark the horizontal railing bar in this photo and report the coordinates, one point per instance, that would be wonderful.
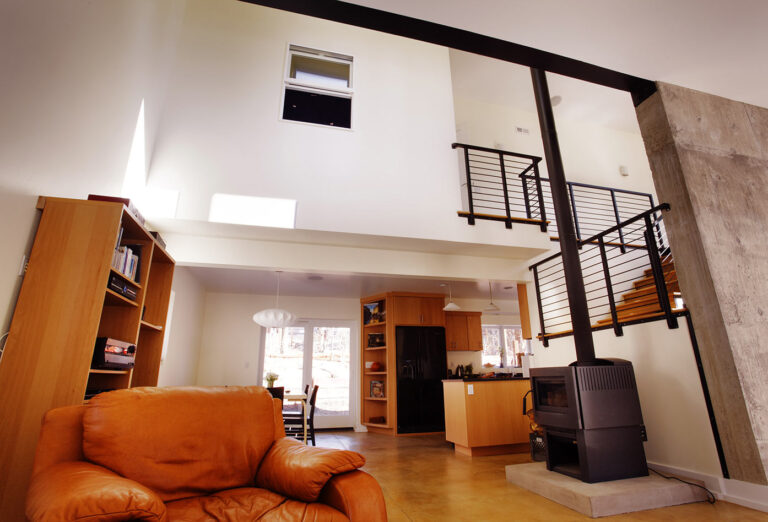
(496, 151)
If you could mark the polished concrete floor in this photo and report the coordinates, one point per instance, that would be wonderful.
(423, 480)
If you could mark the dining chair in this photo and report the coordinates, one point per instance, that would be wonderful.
(277, 392)
(294, 422)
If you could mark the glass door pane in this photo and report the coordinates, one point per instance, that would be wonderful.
(331, 370)
(284, 355)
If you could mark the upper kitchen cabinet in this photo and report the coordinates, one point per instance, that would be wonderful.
(463, 331)
(419, 309)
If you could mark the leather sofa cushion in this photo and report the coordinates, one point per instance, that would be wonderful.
(83, 491)
(249, 504)
(300, 472)
(205, 439)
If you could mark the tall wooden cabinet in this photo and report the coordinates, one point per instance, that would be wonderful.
(63, 306)
(380, 315)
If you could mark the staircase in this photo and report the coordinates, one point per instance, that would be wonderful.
(642, 302)
(625, 268)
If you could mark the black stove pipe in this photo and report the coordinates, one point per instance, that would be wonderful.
(569, 245)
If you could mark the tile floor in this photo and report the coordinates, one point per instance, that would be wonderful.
(423, 480)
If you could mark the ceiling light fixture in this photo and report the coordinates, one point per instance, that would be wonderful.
(451, 306)
(275, 317)
(492, 307)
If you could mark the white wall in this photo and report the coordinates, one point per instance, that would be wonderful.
(185, 333)
(591, 153)
(393, 174)
(72, 76)
(231, 341)
(674, 411)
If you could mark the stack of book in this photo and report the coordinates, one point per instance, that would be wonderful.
(126, 260)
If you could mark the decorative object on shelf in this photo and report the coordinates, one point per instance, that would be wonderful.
(125, 201)
(375, 340)
(374, 313)
(492, 307)
(275, 317)
(271, 377)
(158, 237)
(376, 366)
(451, 306)
(377, 389)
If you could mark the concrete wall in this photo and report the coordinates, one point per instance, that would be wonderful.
(185, 329)
(709, 157)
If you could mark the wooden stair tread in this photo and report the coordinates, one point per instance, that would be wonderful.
(646, 300)
(603, 322)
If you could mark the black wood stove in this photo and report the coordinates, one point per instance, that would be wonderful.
(593, 426)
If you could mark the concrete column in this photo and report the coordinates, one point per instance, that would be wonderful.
(709, 158)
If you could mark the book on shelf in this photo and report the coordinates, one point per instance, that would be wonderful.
(127, 260)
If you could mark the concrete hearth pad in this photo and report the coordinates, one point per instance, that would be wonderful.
(603, 498)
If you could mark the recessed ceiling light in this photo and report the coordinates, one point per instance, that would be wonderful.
(556, 100)
(315, 278)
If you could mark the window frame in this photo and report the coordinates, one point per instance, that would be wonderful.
(509, 362)
(304, 86)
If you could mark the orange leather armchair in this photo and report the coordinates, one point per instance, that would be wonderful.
(191, 453)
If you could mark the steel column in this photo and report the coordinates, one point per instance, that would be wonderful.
(569, 244)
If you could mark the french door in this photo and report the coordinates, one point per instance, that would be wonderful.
(314, 352)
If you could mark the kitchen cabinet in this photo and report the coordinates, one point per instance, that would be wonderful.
(485, 417)
(419, 310)
(463, 331)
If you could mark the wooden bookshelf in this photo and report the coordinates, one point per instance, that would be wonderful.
(63, 306)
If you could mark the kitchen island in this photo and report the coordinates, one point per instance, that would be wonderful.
(485, 416)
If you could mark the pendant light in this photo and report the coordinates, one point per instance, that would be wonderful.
(492, 307)
(275, 317)
(451, 306)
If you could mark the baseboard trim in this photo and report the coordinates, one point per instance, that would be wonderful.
(754, 496)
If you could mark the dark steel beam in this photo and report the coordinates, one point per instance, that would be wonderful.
(384, 21)
(569, 244)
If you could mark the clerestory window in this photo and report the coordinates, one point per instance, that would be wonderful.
(318, 87)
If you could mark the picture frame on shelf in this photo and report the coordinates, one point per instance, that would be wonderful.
(376, 340)
(377, 389)
(374, 313)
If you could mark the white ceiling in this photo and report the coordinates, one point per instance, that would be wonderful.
(709, 45)
(243, 281)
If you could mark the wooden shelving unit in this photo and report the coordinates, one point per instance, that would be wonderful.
(63, 306)
(399, 309)
(376, 336)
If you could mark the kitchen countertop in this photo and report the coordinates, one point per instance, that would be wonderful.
(485, 379)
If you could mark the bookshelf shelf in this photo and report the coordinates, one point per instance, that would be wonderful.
(112, 298)
(109, 372)
(375, 398)
(370, 325)
(157, 327)
(372, 348)
(126, 278)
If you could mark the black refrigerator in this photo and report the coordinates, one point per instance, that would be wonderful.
(421, 368)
